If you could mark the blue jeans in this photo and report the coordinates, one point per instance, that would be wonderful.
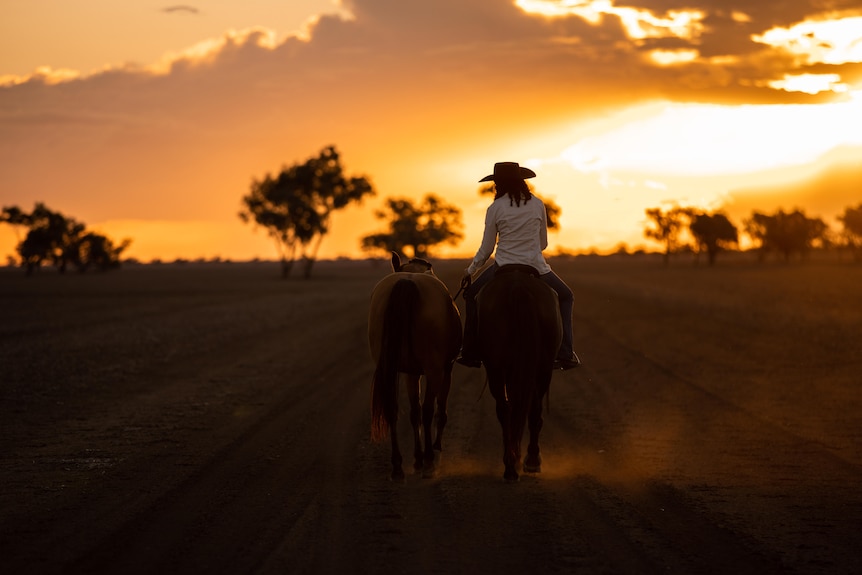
(564, 294)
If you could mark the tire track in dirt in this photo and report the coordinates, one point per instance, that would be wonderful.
(730, 475)
(231, 512)
(647, 468)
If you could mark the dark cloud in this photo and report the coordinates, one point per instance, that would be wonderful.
(180, 8)
(408, 71)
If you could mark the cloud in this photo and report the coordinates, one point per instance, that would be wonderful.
(180, 8)
(406, 89)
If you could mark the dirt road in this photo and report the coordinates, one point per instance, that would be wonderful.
(214, 419)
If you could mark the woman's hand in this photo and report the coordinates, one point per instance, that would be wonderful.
(466, 281)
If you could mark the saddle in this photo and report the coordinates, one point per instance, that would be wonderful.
(518, 268)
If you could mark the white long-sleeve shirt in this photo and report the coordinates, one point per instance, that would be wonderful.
(519, 232)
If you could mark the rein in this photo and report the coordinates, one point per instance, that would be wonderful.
(465, 283)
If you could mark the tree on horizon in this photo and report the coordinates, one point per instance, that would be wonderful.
(665, 226)
(61, 240)
(419, 227)
(295, 206)
(713, 233)
(851, 219)
(786, 233)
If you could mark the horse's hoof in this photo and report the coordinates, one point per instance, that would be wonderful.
(431, 466)
(510, 476)
(533, 466)
(397, 476)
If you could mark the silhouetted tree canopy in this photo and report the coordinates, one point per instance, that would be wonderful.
(713, 233)
(785, 233)
(295, 206)
(60, 240)
(419, 227)
(665, 227)
(552, 210)
(852, 222)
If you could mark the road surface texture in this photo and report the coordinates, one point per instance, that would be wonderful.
(214, 418)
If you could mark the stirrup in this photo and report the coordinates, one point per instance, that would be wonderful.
(567, 363)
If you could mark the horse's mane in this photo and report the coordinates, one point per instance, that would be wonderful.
(419, 262)
(414, 265)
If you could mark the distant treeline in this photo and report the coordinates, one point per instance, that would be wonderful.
(52, 238)
(781, 233)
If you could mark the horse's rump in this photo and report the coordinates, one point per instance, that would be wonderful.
(520, 330)
(517, 268)
(519, 318)
(414, 327)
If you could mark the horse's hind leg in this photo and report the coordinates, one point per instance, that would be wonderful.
(504, 416)
(397, 471)
(413, 392)
(442, 407)
(432, 383)
(392, 420)
(533, 461)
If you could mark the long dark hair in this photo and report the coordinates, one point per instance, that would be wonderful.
(516, 189)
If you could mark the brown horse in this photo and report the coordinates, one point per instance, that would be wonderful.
(519, 331)
(414, 329)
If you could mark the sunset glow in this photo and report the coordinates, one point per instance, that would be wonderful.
(706, 140)
(810, 83)
(154, 127)
(834, 39)
(673, 57)
(638, 23)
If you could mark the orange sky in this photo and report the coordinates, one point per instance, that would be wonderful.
(150, 123)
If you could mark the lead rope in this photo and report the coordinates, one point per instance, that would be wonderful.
(465, 283)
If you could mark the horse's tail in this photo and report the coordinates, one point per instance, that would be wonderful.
(397, 324)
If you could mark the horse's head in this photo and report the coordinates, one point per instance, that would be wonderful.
(414, 265)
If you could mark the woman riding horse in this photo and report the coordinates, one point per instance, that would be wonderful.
(516, 222)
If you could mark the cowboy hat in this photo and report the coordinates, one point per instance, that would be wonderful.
(509, 171)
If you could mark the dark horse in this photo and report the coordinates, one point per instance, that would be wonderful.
(519, 331)
(414, 329)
